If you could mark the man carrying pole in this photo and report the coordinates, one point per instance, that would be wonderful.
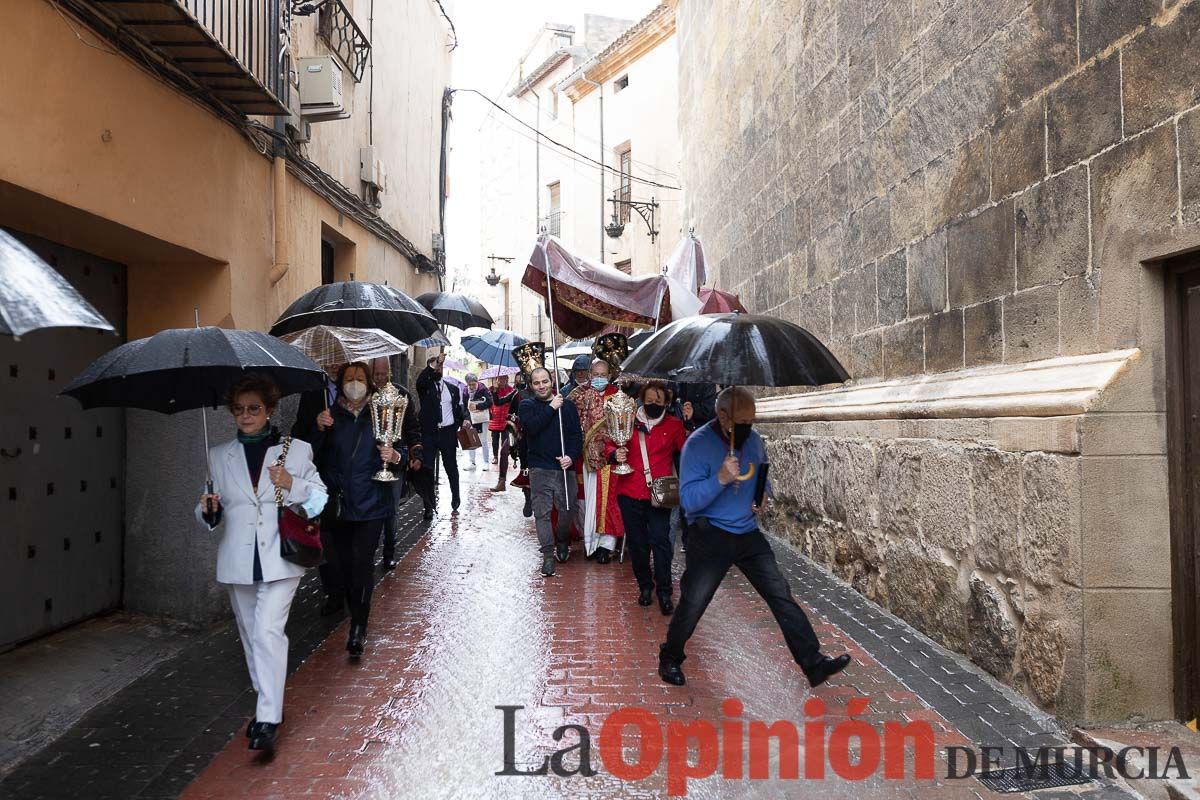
(553, 449)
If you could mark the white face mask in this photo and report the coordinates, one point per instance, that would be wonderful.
(355, 390)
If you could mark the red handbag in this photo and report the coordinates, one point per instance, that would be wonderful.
(299, 536)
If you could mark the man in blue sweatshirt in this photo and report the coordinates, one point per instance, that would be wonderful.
(723, 532)
(550, 457)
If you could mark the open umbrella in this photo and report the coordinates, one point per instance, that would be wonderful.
(331, 346)
(497, 371)
(718, 302)
(456, 310)
(494, 346)
(580, 347)
(33, 295)
(356, 304)
(183, 368)
(736, 349)
(436, 339)
(455, 363)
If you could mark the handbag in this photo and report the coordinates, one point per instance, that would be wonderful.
(664, 492)
(299, 536)
(468, 438)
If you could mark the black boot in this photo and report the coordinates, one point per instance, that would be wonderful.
(668, 668)
(664, 602)
(357, 640)
(645, 596)
(822, 668)
(527, 511)
(603, 556)
(264, 737)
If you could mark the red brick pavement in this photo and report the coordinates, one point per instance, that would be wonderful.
(466, 623)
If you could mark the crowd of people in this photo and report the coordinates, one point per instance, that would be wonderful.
(685, 472)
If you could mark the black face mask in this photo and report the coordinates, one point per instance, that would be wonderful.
(653, 410)
(741, 432)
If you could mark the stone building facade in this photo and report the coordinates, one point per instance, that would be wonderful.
(976, 205)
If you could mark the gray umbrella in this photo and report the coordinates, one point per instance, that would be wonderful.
(34, 296)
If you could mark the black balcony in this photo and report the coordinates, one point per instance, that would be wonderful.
(341, 33)
(230, 47)
(552, 222)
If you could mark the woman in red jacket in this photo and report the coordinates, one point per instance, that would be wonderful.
(502, 397)
(657, 440)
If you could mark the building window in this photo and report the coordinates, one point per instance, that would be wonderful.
(625, 266)
(624, 182)
(621, 83)
(553, 221)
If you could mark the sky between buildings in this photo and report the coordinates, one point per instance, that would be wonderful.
(492, 36)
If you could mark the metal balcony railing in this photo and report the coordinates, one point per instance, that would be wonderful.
(552, 222)
(336, 25)
(233, 48)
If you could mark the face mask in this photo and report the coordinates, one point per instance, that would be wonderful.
(355, 390)
(599, 384)
(741, 432)
(653, 410)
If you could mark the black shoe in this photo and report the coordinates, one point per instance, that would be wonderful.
(562, 552)
(669, 670)
(825, 668)
(527, 511)
(251, 728)
(428, 515)
(603, 556)
(664, 602)
(389, 564)
(455, 503)
(548, 565)
(264, 737)
(334, 603)
(645, 597)
(357, 640)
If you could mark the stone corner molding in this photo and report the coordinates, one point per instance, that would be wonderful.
(1050, 388)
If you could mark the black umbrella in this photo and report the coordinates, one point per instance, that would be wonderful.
(356, 304)
(34, 296)
(183, 368)
(735, 350)
(456, 310)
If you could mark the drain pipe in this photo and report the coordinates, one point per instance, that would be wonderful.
(603, 160)
(282, 257)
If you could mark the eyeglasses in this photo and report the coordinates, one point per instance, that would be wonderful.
(253, 410)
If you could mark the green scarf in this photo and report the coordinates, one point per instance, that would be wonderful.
(266, 433)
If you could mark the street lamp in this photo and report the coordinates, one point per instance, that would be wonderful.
(492, 278)
(645, 210)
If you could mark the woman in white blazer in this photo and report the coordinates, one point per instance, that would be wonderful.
(261, 584)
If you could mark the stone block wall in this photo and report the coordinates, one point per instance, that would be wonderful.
(939, 185)
(933, 184)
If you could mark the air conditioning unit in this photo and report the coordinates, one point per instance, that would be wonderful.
(370, 168)
(321, 89)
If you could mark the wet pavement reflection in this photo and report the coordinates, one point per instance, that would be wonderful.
(466, 623)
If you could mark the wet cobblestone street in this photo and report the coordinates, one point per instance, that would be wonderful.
(466, 623)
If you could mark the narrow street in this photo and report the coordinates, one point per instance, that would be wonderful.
(464, 624)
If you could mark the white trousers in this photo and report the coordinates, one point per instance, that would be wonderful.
(485, 439)
(262, 610)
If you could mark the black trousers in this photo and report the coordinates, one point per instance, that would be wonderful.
(648, 530)
(353, 556)
(496, 443)
(445, 444)
(330, 571)
(710, 553)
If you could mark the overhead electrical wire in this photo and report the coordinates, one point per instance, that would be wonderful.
(568, 148)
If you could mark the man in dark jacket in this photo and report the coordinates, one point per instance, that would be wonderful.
(551, 455)
(442, 414)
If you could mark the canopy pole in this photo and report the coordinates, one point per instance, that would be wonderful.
(208, 484)
(562, 443)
